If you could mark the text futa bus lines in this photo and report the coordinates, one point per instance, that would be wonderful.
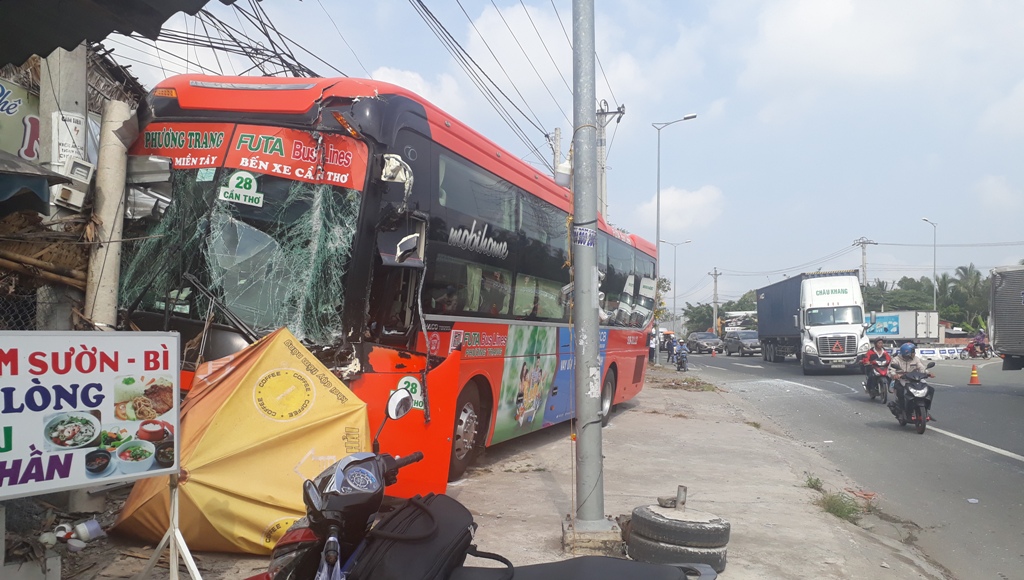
(402, 246)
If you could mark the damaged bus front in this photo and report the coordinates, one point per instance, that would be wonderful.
(286, 207)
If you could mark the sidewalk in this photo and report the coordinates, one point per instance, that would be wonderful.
(734, 462)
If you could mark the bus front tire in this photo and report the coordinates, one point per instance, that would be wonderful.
(607, 397)
(466, 432)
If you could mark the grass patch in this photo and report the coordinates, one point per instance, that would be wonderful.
(841, 505)
(753, 424)
(692, 384)
(814, 483)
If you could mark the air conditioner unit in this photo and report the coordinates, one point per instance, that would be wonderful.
(69, 197)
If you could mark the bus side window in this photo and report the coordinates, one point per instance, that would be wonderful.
(494, 292)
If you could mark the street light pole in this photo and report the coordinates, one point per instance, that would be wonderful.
(675, 290)
(657, 209)
(935, 278)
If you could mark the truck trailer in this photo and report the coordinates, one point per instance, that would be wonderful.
(816, 316)
(1006, 316)
(919, 326)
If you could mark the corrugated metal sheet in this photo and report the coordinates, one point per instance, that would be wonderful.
(40, 26)
(1006, 322)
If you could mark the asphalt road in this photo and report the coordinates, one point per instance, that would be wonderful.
(962, 481)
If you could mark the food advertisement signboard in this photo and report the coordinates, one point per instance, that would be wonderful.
(83, 409)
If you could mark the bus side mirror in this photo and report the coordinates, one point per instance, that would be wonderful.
(398, 171)
(407, 246)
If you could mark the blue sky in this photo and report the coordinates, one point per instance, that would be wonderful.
(819, 121)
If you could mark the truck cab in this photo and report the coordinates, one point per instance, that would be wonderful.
(832, 323)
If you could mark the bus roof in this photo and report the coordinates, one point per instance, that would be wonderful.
(284, 95)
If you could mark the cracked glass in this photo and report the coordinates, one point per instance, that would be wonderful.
(280, 263)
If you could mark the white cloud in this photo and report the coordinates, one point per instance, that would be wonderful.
(842, 41)
(682, 211)
(443, 92)
(996, 193)
(1007, 114)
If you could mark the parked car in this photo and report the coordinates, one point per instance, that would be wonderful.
(742, 342)
(700, 342)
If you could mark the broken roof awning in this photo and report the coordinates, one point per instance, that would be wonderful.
(25, 185)
(40, 26)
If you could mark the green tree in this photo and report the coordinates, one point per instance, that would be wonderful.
(698, 317)
(661, 312)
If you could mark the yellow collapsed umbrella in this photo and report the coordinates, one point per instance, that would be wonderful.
(255, 425)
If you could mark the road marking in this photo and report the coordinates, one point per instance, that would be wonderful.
(846, 386)
(1003, 452)
(802, 385)
(748, 366)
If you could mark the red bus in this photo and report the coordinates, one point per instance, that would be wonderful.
(402, 246)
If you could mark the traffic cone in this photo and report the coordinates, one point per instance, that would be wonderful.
(974, 376)
(714, 353)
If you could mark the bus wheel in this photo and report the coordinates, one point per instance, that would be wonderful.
(466, 435)
(607, 396)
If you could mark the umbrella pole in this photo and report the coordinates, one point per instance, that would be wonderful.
(176, 541)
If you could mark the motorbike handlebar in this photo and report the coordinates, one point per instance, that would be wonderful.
(401, 462)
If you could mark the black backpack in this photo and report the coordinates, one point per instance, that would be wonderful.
(425, 539)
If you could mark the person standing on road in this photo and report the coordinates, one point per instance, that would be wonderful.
(671, 349)
(653, 345)
(877, 356)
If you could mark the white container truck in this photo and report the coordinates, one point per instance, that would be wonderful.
(920, 326)
(818, 317)
(1006, 316)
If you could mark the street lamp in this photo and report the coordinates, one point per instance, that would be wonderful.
(657, 209)
(935, 278)
(675, 290)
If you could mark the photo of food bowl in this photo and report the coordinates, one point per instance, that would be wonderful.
(135, 456)
(165, 454)
(98, 463)
(71, 430)
(154, 430)
(138, 398)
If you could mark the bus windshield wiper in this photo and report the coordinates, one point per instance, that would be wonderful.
(248, 333)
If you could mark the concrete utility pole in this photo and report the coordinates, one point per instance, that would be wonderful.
(863, 243)
(105, 260)
(588, 526)
(62, 92)
(604, 116)
(714, 301)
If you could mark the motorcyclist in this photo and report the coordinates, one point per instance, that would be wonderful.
(681, 355)
(979, 341)
(879, 357)
(906, 362)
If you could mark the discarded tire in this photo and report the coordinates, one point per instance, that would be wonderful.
(692, 528)
(647, 550)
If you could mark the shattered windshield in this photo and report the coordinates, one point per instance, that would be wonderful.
(275, 258)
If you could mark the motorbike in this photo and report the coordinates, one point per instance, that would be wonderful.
(682, 361)
(878, 378)
(348, 498)
(972, 350)
(913, 399)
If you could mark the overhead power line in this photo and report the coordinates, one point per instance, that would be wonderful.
(975, 245)
(823, 259)
(483, 82)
